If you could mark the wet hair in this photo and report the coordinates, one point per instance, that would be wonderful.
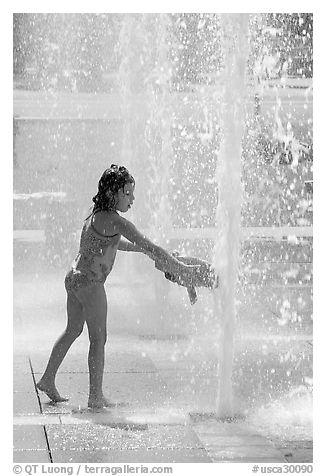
(112, 180)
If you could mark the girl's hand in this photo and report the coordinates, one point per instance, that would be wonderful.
(196, 276)
(190, 273)
(186, 277)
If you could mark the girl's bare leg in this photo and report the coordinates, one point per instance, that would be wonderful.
(95, 309)
(73, 330)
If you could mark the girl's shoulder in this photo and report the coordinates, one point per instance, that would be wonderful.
(104, 222)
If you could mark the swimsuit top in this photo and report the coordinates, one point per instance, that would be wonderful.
(97, 252)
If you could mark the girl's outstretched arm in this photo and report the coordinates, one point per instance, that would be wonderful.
(125, 245)
(155, 252)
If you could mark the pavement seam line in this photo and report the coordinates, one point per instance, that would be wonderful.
(41, 411)
(35, 387)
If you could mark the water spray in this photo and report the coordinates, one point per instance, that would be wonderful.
(228, 214)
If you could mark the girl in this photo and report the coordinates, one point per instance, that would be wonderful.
(84, 283)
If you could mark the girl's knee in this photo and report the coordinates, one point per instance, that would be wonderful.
(74, 332)
(98, 339)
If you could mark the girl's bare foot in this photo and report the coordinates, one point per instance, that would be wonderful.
(100, 402)
(51, 391)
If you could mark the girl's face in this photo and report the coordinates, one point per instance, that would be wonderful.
(125, 197)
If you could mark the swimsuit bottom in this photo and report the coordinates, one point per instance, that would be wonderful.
(75, 280)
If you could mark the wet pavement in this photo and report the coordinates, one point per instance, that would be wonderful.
(165, 394)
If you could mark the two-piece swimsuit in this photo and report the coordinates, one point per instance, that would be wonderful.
(95, 258)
